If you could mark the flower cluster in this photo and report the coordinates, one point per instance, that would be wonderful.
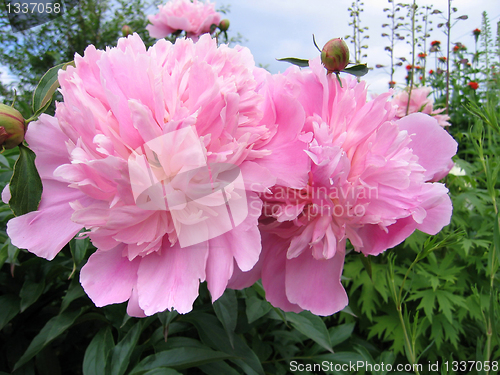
(193, 17)
(186, 163)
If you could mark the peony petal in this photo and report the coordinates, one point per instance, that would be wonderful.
(273, 273)
(46, 231)
(108, 277)
(170, 280)
(433, 145)
(315, 285)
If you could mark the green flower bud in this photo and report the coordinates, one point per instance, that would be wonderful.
(224, 25)
(126, 30)
(12, 127)
(335, 55)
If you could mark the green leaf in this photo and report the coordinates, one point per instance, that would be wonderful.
(162, 371)
(367, 262)
(295, 61)
(4, 253)
(123, 350)
(256, 308)
(95, 361)
(167, 316)
(217, 368)
(357, 70)
(213, 335)
(10, 308)
(78, 248)
(25, 184)
(179, 358)
(30, 292)
(75, 291)
(54, 327)
(226, 309)
(340, 333)
(47, 87)
(312, 326)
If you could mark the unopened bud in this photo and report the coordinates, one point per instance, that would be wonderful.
(224, 25)
(335, 55)
(12, 127)
(126, 30)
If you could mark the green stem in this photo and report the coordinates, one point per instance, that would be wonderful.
(412, 71)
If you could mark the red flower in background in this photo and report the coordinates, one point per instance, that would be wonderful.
(442, 58)
(458, 47)
(422, 55)
(476, 32)
(431, 71)
(408, 67)
(435, 43)
(473, 85)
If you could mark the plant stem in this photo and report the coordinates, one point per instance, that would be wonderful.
(448, 26)
(412, 71)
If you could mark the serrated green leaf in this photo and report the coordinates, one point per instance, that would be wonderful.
(179, 358)
(25, 184)
(357, 70)
(54, 327)
(30, 292)
(47, 87)
(311, 326)
(10, 308)
(226, 310)
(295, 61)
(95, 361)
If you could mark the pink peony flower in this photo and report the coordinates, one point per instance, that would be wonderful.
(420, 102)
(193, 17)
(159, 154)
(368, 182)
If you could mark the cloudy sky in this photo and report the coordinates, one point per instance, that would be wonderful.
(284, 28)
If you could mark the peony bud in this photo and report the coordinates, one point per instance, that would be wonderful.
(12, 127)
(335, 55)
(224, 25)
(126, 30)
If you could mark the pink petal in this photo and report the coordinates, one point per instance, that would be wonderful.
(273, 273)
(170, 280)
(438, 207)
(376, 240)
(108, 277)
(315, 285)
(433, 145)
(46, 231)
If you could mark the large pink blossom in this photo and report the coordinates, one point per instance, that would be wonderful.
(146, 153)
(420, 102)
(368, 183)
(193, 17)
